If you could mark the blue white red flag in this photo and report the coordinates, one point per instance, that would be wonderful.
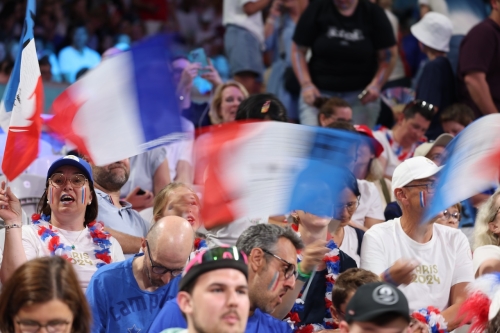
(22, 104)
(472, 165)
(271, 168)
(123, 107)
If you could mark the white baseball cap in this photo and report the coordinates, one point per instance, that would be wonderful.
(434, 30)
(426, 147)
(411, 169)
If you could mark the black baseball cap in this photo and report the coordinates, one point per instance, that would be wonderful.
(215, 258)
(375, 299)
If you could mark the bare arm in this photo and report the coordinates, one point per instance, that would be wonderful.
(458, 294)
(184, 172)
(161, 177)
(130, 244)
(386, 62)
(370, 222)
(308, 89)
(13, 251)
(251, 8)
(480, 92)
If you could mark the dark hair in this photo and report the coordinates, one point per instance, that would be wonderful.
(350, 281)
(42, 280)
(349, 181)
(81, 72)
(44, 61)
(327, 105)
(254, 107)
(414, 107)
(266, 236)
(458, 112)
(342, 125)
(90, 211)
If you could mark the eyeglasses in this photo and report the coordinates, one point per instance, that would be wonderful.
(160, 270)
(430, 187)
(290, 268)
(56, 326)
(495, 216)
(447, 215)
(350, 206)
(58, 180)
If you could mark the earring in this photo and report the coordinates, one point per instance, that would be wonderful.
(89, 203)
(48, 202)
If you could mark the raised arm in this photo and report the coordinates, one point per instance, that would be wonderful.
(13, 252)
(308, 89)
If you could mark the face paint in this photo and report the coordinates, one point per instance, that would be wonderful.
(83, 194)
(422, 199)
(273, 283)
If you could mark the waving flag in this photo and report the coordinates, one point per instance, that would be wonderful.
(472, 165)
(22, 104)
(271, 168)
(123, 107)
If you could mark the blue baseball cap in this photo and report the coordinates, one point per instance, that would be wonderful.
(75, 161)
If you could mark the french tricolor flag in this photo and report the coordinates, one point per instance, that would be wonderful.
(123, 107)
(22, 104)
(472, 165)
(271, 168)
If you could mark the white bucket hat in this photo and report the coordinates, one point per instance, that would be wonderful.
(434, 30)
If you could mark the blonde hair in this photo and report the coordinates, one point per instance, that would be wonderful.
(163, 197)
(214, 112)
(482, 233)
(375, 172)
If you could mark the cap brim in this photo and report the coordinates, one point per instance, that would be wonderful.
(428, 173)
(367, 316)
(67, 161)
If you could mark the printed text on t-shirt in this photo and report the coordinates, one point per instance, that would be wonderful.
(353, 36)
(426, 274)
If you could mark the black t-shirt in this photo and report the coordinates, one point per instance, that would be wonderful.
(344, 49)
(314, 305)
(437, 86)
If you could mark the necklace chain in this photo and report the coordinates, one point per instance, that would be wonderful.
(76, 240)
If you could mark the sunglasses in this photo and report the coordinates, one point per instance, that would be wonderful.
(289, 269)
(422, 104)
(58, 180)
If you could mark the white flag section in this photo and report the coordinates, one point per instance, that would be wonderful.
(472, 164)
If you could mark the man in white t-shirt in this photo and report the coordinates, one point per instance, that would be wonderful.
(77, 56)
(431, 263)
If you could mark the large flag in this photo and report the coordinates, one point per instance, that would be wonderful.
(270, 168)
(123, 107)
(472, 165)
(22, 104)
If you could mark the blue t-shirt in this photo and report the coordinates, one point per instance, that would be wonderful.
(117, 302)
(170, 316)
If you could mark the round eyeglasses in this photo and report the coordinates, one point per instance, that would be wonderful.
(58, 180)
(55, 326)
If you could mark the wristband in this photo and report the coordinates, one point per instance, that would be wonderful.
(386, 276)
(10, 226)
(301, 275)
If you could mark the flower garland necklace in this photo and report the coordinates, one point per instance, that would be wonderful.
(332, 261)
(50, 236)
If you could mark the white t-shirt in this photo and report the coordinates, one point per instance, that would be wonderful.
(71, 61)
(388, 153)
(370, 203)
(233, 14)
(83, 256)
(350, 244)
(228, 235)
(445, 260)
(181, 149)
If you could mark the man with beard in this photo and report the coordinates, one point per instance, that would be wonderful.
(118, 217)
(126, 296)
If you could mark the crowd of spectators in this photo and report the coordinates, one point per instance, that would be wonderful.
(404, 83)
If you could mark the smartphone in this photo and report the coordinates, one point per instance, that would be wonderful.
(198, 55)
(141, 192)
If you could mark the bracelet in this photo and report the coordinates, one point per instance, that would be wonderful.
(10, 226)
(302, 274)
(386, 276)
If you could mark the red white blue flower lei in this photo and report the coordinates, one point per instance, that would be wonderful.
(332, 261)
(50, 235)
(431, 317)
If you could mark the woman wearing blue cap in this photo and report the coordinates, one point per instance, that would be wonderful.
(65, 225)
